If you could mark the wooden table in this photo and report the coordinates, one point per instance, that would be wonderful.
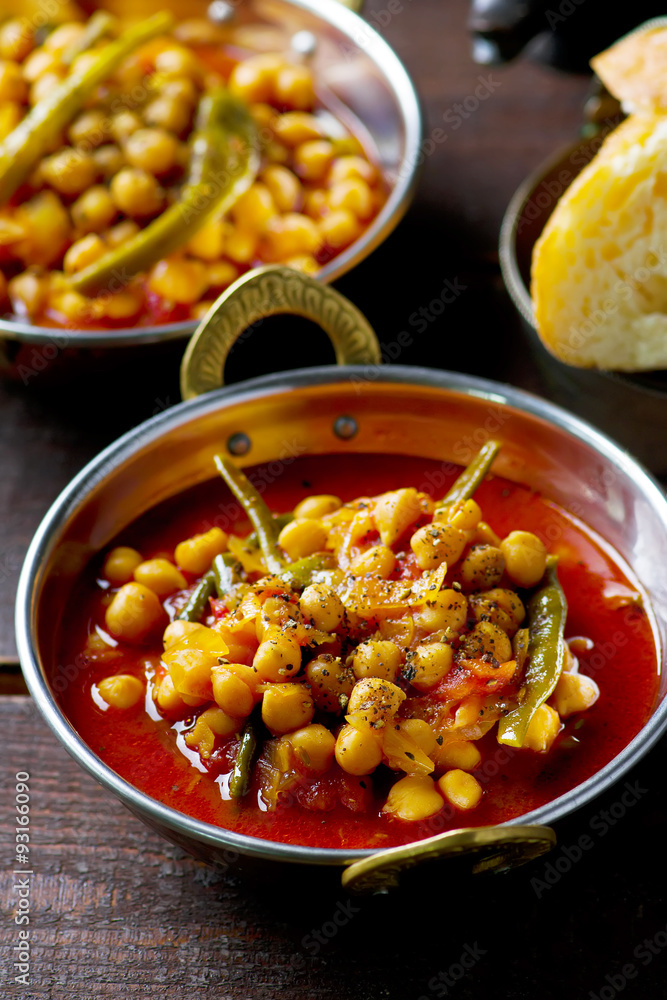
(118, 912)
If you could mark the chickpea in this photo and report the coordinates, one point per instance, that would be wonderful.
(121, 691)
(458, 754)
(136, 193)
(294, 87)
(63, 36)
(109, 159)
(574, 693)
(177, 61)
(434, 544)
(296, 127)
(542, 730)
(209, 243)
(302, 538)
(253, 80)
(322, 606)
(121, 233)
(124, 124)
(340, 228)
(171, 113)
(84, 252)
(255, 208)
(482, 568)
(28, 293)
(429, 665)
(275, 614)
(314, 745)
(241, 245)
(487, 639)
(330, 682)
(17, 39)
(422, 734)
(379, 559)
(161, 576)
(461, 789)
(525, 558)
(500, 606)
(448, 610)
(12, 84)
(180, 88)
(290, 234)
(375, 699)
(231, 693)
(120, 564)
(354, 195)
(284, 186)
(151, 149)
(312, 159)
(317, 506)
(220, 275)
(413, 798)
(346, 168)
(70, 171)
(379, 658)
(134, 612)
(89, 129)
(178, 279)
(315, 204)
(196, 554)
(168, 699)
(40, 62)
(358, 752)
(40, 90)
(277, 657)
(286, 707)
(94, 210)
(178, 630)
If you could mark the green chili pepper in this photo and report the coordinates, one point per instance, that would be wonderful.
(194, 609)
(300, 574)
(225, 573)
(239, 783)
(261, 517)
(32, 137)
(547, 611)
(99, 25)
(224, 162)
(280, 519)
(472, 476)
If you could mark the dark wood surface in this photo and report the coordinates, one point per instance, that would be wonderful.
(118, 912)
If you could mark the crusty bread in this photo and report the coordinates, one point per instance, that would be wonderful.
(599, 277)
(633, 69)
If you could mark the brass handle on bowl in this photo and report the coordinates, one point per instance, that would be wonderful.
(271, 291)
(482, 849)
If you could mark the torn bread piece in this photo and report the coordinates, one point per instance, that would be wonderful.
(599, 275)
(633, 69)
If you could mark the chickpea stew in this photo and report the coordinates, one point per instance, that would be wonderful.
(106, 129)
(359, 671)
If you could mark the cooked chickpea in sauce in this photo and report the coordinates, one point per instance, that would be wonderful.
(372, 659)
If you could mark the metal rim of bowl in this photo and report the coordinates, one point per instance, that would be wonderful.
(513, 278)
(160, 425)
(408, 106)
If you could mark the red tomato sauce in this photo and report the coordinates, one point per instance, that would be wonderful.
(601, 595)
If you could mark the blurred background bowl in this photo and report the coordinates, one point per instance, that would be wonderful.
(631, 408)
(356, 66)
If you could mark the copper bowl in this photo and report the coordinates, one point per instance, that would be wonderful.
(359, 70)
(353, 408)
(631, 408)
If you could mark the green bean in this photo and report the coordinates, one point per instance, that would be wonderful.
(259, 514)
(225, 573)
(196, 606)
(547, 612)
(239, 783)
(280, 519)
(472, 476)
(99, 25)
(300, 574)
